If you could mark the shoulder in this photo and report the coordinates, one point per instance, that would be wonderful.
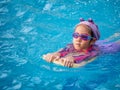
(68, 48)
(69, 45)
(95, 50)
(95, 47)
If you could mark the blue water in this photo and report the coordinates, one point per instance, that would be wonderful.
(31, 28)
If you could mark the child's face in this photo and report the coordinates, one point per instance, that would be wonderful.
(81, 44)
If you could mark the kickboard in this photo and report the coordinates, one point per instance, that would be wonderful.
(75, 65)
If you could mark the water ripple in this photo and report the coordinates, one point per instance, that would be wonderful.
(16, 85)
(4, 73)
(26, 29)
(47, 7)
(36, 80)
(3, 10)
(4, 1)
(8, 36)
(21, 62)
(20, 13)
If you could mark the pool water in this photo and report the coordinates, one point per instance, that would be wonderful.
(29, 29)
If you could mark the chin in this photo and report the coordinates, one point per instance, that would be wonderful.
(77, 46)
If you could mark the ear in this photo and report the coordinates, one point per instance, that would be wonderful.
(93, 41)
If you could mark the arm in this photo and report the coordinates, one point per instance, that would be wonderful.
(56, 55)
(51, 56)
(78, 59)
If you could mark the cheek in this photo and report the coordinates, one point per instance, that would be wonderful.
(85, 43)
(74, 39)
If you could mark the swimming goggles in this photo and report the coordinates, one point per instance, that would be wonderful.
(82, 36)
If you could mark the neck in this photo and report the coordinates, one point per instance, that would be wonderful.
(83, 50)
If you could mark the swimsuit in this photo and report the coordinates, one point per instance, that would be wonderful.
(79, 56)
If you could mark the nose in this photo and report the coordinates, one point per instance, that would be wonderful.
(79, 39)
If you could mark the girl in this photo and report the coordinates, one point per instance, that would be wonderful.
(83, 47)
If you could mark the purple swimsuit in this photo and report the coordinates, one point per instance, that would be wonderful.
(79, 56)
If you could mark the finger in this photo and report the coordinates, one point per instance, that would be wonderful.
(66, 62)
(51, 57)
(61, 60)
(71, 64)
(48, 58)
(54, 56)
(57, 57)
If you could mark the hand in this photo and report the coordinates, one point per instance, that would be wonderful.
(51, 56)
(67, 61)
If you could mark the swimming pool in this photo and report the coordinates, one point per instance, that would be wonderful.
(29, 29)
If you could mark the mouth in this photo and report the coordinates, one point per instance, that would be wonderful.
(77, 43)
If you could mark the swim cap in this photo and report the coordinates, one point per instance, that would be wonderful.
(92, 25)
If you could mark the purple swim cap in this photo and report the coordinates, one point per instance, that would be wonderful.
(92, 25)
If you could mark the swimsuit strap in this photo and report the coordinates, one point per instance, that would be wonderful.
(69, 48)
(91, 52)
